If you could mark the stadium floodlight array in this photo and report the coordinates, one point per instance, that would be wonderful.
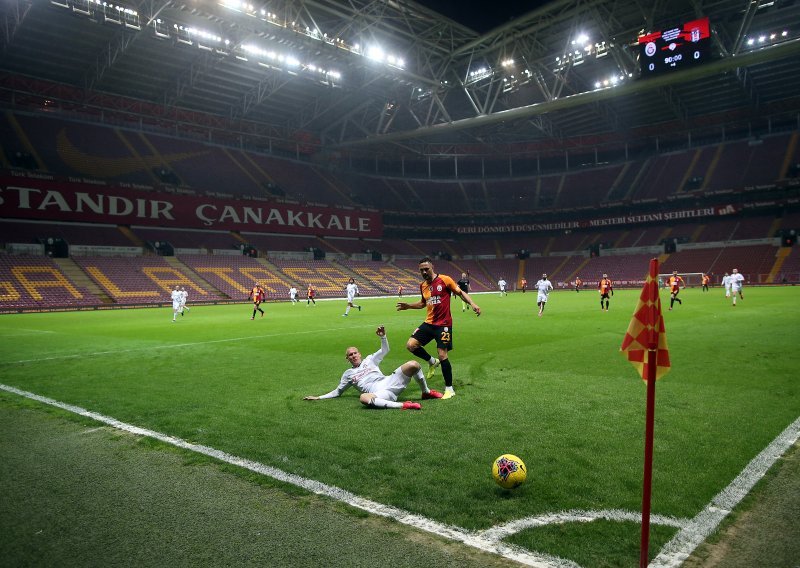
(102, 10)
(763, 39)
(372, 52)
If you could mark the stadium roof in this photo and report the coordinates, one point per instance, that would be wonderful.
(393, 76)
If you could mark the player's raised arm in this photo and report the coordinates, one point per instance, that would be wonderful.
(466, 297)
(418, 305)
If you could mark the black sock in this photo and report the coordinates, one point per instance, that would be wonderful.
(422, 354)
(254, 313)
(447, 373)
(260, 310)
(671, 302)
(678, 300)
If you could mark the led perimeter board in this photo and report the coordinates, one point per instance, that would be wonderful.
(675, 48)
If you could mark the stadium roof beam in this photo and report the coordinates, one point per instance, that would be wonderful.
(14, 16)
(787, 49)
(121, 42)
(260, 92)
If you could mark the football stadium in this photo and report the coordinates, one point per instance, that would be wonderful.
(551, 246)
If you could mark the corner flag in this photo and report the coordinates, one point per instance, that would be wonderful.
(646, 331)
(645, 345)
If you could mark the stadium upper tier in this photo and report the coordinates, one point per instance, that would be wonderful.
(114, 155)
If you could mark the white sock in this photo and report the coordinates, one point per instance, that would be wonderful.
(449, 389)
(347, 311)
(423, 384)
(383, 403)
(432, 361)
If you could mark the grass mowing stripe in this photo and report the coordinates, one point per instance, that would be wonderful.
(173, 345)
(690, 537)
(450, 532)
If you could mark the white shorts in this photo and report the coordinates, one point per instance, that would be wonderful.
(391, 386)
(541, 298)
(736, 289)
(176, 306)
(350, 299)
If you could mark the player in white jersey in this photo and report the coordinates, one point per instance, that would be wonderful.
(501, 284)
(352, 292)
(737, 280)
(543, 287)
(176, 302)
(726, 282)
(184, 297)
(379, 390)
(293, 295)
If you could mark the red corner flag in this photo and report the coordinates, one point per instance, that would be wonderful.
(646, 330)
(645, 345)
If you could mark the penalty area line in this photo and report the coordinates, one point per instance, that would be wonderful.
(472, 539)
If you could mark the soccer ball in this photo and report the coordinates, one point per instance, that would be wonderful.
(509, 471)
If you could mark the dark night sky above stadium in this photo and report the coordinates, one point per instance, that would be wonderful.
(482, 15)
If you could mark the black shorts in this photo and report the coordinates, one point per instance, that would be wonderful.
(443, 335)
(604, 296)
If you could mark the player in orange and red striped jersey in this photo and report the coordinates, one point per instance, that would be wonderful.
(606, 288)
(706, 280)
(258, 295)
(436, 290)
(675, 283)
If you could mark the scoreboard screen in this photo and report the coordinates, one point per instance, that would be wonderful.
(675, 48)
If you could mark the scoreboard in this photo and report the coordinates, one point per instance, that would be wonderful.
(675, 48)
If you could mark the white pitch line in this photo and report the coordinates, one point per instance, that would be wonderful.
(469, 538)
(678, 549)
(171, 346)
(500, 532)
(25, 333)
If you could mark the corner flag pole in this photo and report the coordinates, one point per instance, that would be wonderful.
(645, 346)
(647, 483)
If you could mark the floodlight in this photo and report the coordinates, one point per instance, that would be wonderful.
(376, 53)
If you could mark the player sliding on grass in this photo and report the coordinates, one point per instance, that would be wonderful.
(379, 390)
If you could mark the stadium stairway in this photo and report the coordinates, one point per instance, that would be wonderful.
(578, 270)
(453, 252)
(242, 168)
(352, 274)
(79, 277)
(780, 258)
(712, 167)
(687, 174)
(236, 235)
(789, 157)
(194, 277)
(24, 140)
(131, 236)
(329, 244)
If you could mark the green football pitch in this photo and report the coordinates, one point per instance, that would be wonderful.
(554, 390)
